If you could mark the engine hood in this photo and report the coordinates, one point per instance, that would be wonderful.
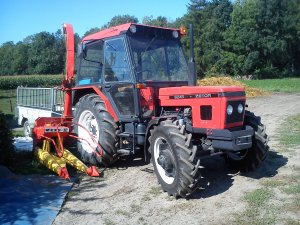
(188, 92)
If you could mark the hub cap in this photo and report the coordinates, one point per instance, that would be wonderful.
(164, 160)
(89, 122)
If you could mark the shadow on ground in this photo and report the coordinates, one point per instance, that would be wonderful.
(218, 177)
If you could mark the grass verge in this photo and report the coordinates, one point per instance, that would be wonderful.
(290, 133)
(8, 101)
(288, 85)
(278, 199)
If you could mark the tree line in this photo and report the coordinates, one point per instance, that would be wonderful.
(244, 37)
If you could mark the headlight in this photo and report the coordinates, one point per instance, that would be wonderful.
(132, 28)
(175, 34)
(240, 108)
(229, 109)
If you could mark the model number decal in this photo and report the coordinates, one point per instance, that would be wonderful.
(194, 96)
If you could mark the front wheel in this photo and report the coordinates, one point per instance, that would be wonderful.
(174, 158)
(250, 159)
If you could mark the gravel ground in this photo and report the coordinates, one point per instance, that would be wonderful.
(129, 193)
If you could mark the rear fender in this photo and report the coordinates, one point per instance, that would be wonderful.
(151, 124)
(81, 91)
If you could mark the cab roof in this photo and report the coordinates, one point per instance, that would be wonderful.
(117, 30)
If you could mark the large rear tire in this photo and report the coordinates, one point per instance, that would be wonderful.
(174, 158)
(250, 159)
(91, 113)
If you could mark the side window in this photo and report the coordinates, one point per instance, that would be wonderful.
(116, 61)
(91, 63)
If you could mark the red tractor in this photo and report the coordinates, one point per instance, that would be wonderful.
(135, 93)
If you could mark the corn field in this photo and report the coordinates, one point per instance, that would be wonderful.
(12, 82)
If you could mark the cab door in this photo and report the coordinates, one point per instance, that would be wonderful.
(118, 79)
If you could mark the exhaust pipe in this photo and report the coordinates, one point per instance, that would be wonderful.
(191, 64)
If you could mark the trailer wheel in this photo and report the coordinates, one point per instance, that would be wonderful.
(250, 159)
(91, 113)
(174, 158)
(27, 129)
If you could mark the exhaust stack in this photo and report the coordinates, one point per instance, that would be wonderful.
(192, 65)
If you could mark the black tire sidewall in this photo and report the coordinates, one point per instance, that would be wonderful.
(170, 188)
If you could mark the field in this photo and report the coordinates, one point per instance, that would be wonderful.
(8, 101)
(128, 193)
(288, 85)
(12, 82)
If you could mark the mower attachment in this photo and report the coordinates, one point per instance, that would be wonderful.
(50, 130)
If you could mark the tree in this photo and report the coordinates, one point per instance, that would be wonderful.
(211, 19)
(46, 53)
(160, 21)
(6, 58)
(20, 58)
(91, 31)
(262, 39)
(120, 19)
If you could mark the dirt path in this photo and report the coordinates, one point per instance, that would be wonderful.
(130, 194)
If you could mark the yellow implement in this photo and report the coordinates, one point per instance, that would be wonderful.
(58, 164)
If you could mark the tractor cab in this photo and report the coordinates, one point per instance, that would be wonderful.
(136, 92)
(127, 61)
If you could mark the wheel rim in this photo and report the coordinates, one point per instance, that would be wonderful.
(160, 145)
(88, 120)
(26, 129)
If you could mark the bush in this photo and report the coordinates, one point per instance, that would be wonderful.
(6, 147)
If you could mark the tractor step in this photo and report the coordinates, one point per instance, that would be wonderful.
(124, 135)
(124, 152)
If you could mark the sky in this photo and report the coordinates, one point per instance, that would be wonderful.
(21, 18)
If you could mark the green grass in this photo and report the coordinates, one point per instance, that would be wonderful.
(290, 132)
(8, 101)
(261, 208)
(108, 221)
(293, 189)
(155, 191)
(288, 85)
(258, 197)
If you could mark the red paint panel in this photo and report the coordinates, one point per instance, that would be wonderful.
(68, 31)
(114, 31)
(147, 98)
(67, 83)
(107, 104)
(197, 89)
(207, 96)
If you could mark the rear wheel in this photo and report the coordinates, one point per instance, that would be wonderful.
(174, 158)
(91, 113)
(250, 159)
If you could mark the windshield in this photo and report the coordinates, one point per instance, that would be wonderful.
(158, 59)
